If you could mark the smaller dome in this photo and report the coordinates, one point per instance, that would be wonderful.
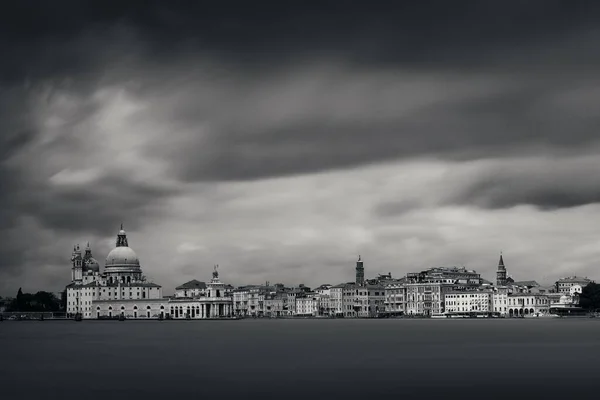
(93, 265)
(565, 299)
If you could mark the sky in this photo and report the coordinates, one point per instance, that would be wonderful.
(281, 141)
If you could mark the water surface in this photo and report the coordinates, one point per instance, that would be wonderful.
(308, 359)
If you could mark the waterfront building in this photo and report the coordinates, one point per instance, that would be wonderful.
(324, 297)
(568, 304)
(240, 298)
(307, 305)
(469, 302)
(526, 304)
(274, 304)
(192, 288)
(426, 298)
(348, 300)
(335, 300)
(361, 301)
(216, 302)
(564, 285)
(324, 306)
(395, 296)
(122, 290)
(375, 300)
(500, 301)
(459, 277)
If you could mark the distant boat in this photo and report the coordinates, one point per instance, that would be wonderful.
(545, 315)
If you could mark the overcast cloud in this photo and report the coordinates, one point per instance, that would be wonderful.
(282, 141)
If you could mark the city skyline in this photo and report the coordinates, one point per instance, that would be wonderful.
(282, 146)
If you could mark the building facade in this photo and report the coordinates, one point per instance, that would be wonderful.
(527, 304)
(122, 290)
(564, 285)
(395, 297)
(469, 302)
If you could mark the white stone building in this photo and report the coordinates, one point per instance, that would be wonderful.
(395, 297)
(500, 301)
(215, 303)
(122, 290)
(469, 302)
(564, 285)
(307, 306)
(193, 288)
(524, 304)
(335, 300)
(348, 300)
(426, 298)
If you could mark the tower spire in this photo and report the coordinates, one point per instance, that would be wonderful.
(501, 272)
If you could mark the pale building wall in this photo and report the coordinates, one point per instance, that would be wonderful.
(194, 292)
(469, 302)
(306, 306)
(336, 303)
(500, 302)
(527, 304)
(395, 300)
(348, 300)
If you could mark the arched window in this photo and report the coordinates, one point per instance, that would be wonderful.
(134, 307)
(147, 307)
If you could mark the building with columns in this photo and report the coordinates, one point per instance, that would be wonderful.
(215, 302)
(122, 290)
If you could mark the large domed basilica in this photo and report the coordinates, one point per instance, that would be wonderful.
(122, 264)
(121, 290)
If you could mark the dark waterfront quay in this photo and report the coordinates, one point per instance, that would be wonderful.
(298, 358)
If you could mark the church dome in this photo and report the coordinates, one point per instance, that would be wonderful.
(122, 256)
(92, 264)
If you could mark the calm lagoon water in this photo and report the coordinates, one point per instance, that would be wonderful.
(308, 359)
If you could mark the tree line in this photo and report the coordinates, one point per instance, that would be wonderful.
(36, 302)
(590, 297)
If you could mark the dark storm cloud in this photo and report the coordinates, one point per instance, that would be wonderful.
(548, 184)
(264, 89)
(70, 37)
(96, 209)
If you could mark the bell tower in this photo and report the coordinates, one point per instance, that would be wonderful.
(360, 272)
(501, 273)
(77, 264)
